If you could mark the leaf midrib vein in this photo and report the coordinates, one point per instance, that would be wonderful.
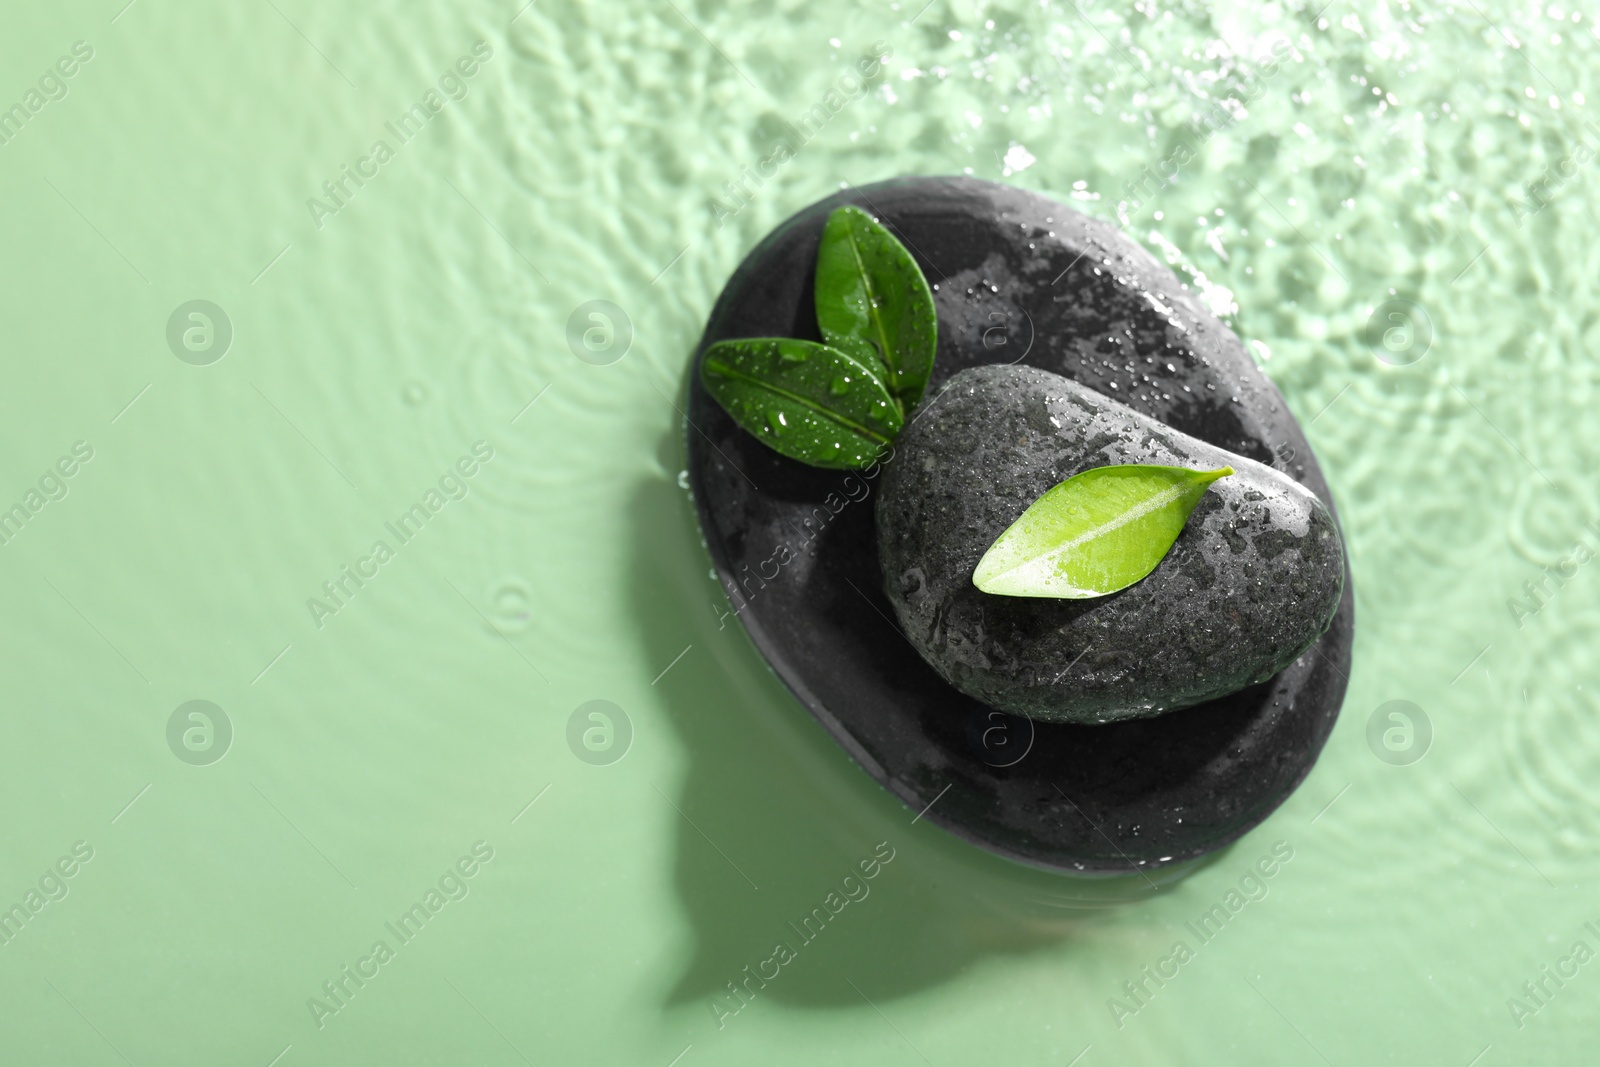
(733, 372)
(874, 317)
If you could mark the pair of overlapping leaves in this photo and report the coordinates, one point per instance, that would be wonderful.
(841, 403)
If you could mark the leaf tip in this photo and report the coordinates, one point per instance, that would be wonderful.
(988, 572)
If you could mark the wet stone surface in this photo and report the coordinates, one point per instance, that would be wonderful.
(1252, 581)
(1017, 279)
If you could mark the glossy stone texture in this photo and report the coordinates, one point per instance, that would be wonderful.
(1252, 580)
(1020, 279)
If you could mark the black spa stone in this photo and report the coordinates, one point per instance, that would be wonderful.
(1019, 279)
(1252, 580)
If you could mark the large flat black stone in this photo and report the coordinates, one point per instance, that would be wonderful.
(1019, 278)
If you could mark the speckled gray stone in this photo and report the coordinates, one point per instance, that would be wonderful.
(1252, 581)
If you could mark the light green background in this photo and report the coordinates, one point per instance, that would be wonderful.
(1391, 152)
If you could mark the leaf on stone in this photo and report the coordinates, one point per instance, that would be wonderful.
(808, 401)
(873, 302)
(1097, 532)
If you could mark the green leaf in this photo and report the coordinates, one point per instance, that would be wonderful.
(808, 401)
(1097, 532)
(874, 303)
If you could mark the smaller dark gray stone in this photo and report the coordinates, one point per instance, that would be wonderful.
(1252, 581)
